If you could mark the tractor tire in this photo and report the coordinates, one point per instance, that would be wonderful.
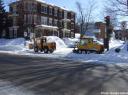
(99, 52)
(88, 52)
(83, 52)
(36, 49)
(46, 50)
(75, 51)
(79, 51)
(41, 50)
(51, 50)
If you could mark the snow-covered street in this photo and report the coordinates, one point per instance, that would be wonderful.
(17, 46)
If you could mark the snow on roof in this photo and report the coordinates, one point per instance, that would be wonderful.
(65, 8)
(42, 1)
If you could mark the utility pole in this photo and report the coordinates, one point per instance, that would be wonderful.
(107, 33)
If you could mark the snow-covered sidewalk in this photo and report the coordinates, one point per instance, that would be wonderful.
(16, 46)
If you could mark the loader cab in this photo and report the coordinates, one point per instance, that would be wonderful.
(85, 41)
(87, 45)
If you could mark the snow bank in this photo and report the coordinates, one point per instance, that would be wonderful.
(17, 41)
(70, 42)
(115, 43)
(59, 42)
(77, 35)
(12, 44)
(63, 52)
(108, 57)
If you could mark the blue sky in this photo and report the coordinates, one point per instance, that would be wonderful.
(70, 4)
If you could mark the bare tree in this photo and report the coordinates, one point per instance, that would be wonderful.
(113, 15)
(85, 15)
(81, 18)
(120, 7)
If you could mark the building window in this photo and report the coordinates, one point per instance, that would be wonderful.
(34, 7)
(35, 18)
(55, 12)
(44, 20)
(14, 21)
(72, 16)
(72, 26)
(50, 21)
(60, 14)
(55, 22)
(50, 11)
(25, 19)
(38, 20)
(44, 9)
(29, 6)
(29, 17)
(60, 24)
(11, 9)
(15, 33)
(65, 14)
(25, 6)
(14, 9)
(3, 33)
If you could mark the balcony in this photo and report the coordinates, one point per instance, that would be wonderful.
(66, 20)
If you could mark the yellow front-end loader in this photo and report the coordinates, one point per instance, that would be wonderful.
(88, 45)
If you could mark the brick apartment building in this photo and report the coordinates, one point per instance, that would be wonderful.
(97, 29)
(102, 27)
(37, 15)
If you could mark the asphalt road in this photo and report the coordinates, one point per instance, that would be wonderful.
(22, 75)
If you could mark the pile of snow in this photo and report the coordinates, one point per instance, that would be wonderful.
(115, 43)
(70, 42)
(12, 44)
(63, 52)
(99, 42)
(77, 35)
(17, 41)
(59, 42)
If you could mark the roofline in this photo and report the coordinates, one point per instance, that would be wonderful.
(62, 8)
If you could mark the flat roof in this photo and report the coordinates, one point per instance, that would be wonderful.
(50, 4)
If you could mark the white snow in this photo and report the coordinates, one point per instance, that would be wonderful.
(16, 46)
(18, 41)
(115, 43)
(12, 44)
(59, 42)
(77, 35)
(42, 1)
(70, 42)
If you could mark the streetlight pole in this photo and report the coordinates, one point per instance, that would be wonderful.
(107, 33)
